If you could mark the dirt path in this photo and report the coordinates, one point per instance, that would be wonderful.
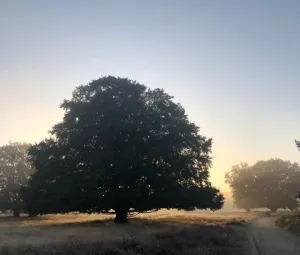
(267, 239)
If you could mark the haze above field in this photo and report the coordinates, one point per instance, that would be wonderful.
(234, 66)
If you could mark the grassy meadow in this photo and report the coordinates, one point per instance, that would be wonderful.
(163, 232)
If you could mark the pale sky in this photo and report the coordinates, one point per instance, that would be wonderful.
(233, 65)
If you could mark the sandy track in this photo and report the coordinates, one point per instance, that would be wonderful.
(267, 239)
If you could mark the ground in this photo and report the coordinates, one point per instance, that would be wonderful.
(159, 233)
(267, 239)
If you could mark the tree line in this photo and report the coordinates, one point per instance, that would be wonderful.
(122, 149)
(272, 184)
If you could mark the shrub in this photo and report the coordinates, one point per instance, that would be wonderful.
(286, 220)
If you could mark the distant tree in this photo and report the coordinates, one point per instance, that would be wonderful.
(15, 171)
(240, 180)
(298, 192)
(122, 148)
(271, 184)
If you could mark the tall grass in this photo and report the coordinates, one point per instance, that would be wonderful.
(216, 240)
(176, 233)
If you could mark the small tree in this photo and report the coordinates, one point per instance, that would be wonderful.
(271, 184)
(15, 171)
(122, 148)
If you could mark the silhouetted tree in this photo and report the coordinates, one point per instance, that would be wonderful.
(122, 148)
(15, 171)
(271, 184)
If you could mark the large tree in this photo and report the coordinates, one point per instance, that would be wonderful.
(121, 148)
(15, 171)
(271, 184)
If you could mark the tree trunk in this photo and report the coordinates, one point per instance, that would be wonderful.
(16, 213)
(121, 216)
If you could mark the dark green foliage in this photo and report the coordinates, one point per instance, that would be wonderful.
(121, 148)
(272, 184)
(15, 171)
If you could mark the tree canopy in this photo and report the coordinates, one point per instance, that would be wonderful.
(272, 184)
(121, 148)
(15, 171)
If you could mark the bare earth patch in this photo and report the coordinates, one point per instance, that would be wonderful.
(159, 233)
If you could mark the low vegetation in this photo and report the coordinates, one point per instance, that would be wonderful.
(175, 233)
(285, 221)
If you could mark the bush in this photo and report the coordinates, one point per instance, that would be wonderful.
(286, 220)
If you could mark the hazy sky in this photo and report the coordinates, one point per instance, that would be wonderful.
(234, 66)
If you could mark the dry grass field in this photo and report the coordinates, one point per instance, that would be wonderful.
(158, 233)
